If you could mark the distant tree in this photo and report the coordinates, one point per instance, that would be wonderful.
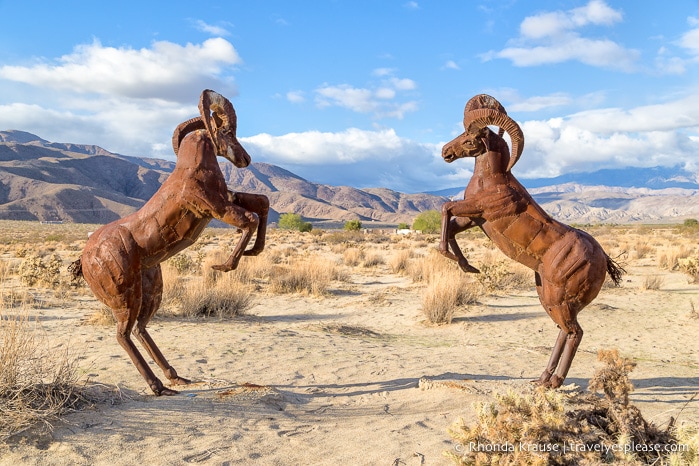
(294, 222)
(691, 222)
(403, 226)
(429, 221)
(353, 225)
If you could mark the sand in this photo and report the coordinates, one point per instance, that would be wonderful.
(354, 377)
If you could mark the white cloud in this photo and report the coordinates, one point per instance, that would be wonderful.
(381, 100)
(536, 103)
(383, 72)
(403, 84)
(451, 65)
(165, 71)
(125, 100)
(553, 37)
(344, 95)
(411, 5)
(210, 28)
(295, 96)
(355, 157)
(645, 136)
(690, 41)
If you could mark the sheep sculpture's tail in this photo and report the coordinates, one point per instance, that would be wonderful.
(615, 270)
(76, 269)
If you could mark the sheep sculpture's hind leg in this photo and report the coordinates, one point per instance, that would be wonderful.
(563, 310)
(569, 338)
(152, 291)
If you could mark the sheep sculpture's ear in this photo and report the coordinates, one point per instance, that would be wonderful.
(484, 110)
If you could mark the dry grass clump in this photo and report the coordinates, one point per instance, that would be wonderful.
(424, 268)
(669, 259)
(311, 276)
(445, 293)
(37, 383)
(374, 259)
(352, 257)
(547, 427)
(209, 294)
(400, 262)
(643, 249)
(250, 270)
(344, 236)
(652, 282)
(199, 300)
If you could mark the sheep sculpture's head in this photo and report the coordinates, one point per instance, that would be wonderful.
(480, 112)
(219, 120)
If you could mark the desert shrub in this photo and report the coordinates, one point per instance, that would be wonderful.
(344, 237)
(290, 221)
(403, 226)
(295, 222)
(690, 266)
(445, 293)
(37, 383)
(503, 274)
(429, 221)
(184, 264)
(353, 225)
(547, 427)
(690, 222)
(34, 271)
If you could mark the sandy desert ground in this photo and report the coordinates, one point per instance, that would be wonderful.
(354, 373)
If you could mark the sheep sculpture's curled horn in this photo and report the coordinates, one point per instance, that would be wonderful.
(569, 264)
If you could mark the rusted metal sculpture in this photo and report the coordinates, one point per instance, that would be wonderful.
(569, 265)
(121, 260)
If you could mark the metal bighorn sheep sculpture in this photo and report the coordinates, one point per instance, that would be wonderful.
(121, 260)
(569, 265)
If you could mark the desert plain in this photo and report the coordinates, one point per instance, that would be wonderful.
(334, 356)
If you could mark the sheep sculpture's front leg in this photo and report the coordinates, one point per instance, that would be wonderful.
(453, 224)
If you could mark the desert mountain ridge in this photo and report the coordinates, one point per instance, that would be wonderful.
(49, 181)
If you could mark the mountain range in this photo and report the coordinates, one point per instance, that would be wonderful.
(49, 181)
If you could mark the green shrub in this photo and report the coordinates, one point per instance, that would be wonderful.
(291, 221)
(429, 221)
(353, 225)
(691, 222)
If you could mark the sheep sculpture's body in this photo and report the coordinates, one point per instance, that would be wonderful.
(121, 260)
(569, 265)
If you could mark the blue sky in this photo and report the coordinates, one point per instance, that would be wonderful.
(358, 92)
